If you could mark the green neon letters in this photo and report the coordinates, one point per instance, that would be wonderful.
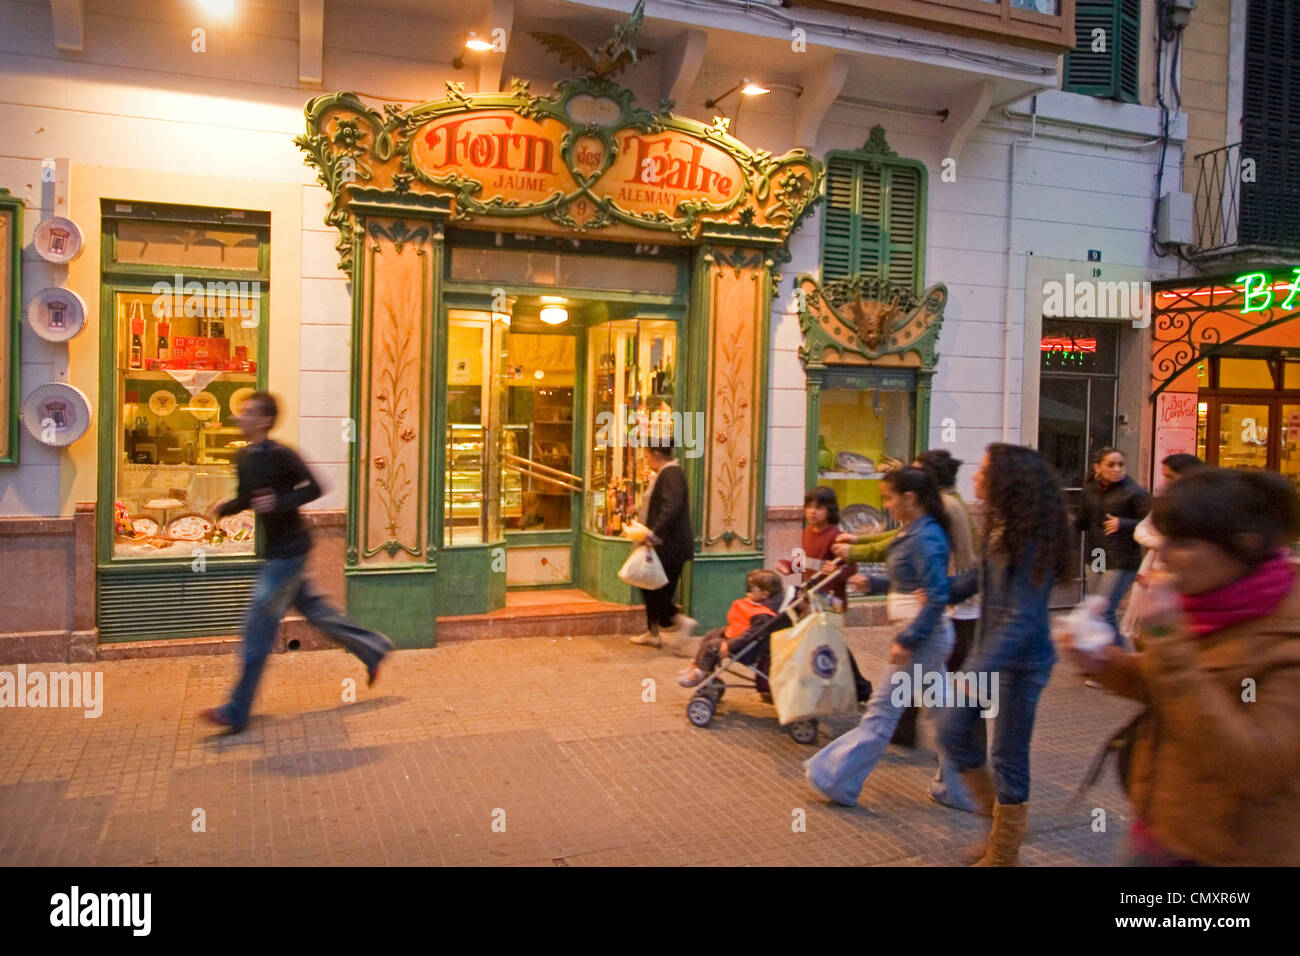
(1257, 292)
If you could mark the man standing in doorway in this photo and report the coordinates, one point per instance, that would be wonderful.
(666, 512)
(275, 483)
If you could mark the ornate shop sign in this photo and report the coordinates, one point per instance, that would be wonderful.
(585, 159)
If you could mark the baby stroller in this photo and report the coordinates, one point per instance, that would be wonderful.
(799, 602)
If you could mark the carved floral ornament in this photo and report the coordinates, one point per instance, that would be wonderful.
(863, 320)
(585, 159)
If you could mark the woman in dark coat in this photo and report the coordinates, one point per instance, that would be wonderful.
(1112, 507)
(665, 510)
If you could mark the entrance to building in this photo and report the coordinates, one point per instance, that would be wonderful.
(550, 399)
(1078, 386)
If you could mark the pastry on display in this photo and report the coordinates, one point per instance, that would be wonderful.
(238, 527)
(191, 527)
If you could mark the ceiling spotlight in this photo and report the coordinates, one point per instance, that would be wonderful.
(554, 314)
(218, 8)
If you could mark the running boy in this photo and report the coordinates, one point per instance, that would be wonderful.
(275, 483)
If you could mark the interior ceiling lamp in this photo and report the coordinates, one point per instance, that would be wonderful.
(553, 310)
(748, 88)
(218, 8)
(472, 42)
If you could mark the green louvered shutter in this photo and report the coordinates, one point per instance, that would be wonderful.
(872, 223)
(1114, 72)
(839, 219)
(902, 265)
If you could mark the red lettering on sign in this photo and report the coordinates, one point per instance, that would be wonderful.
(450, 144)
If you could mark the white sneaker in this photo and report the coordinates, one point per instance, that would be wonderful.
(684, 627)
(647, 639)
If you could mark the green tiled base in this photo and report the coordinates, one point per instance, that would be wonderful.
(400, 603)
(601, 559)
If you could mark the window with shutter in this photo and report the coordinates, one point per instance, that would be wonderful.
(874, 220)
(1110, 68)
(1270, 206)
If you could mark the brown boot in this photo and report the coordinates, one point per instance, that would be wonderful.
(980, 785)
(1009, 824)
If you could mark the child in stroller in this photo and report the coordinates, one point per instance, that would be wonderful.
(752, 648)
(745, 622)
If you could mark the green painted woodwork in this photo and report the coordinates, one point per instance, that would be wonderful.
(716, 581)
(601, 559)
(467, 583)
(1111, 72)
(401, 602)
(874, 221)
(13, 360)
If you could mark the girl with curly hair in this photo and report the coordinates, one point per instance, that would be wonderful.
(1024, 549)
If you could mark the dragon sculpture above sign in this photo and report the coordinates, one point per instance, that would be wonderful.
(585, 159)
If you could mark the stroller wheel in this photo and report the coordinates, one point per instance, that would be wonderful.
(717, 689)
(804, 731)
(700, 710)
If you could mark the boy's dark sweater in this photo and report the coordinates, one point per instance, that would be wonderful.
(269, 464)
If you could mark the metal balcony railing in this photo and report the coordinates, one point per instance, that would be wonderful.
(1247, 200)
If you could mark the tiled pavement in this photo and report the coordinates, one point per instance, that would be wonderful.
(549, 737)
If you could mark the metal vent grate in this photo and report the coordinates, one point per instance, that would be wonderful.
(174, 603)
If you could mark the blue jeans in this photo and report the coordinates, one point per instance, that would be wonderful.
(841, 767)
(964, 737)
(1114, 583)
(280, 585)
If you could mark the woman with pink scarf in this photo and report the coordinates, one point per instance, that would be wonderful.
(1212, 765)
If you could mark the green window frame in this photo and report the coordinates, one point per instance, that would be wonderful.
(1112, 73)
(11, 318)
(874, 219)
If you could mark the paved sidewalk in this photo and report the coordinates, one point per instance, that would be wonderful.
(547, 737)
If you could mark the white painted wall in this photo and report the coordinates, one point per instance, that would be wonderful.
(140, 97)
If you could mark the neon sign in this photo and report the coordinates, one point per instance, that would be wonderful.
(1257, 292)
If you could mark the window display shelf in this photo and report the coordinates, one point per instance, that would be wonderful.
(850, 476)
(136, 374)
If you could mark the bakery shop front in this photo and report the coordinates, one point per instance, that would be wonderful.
(542, 285)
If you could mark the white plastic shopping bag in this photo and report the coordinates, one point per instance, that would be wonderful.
(811, 674)
(642, 569)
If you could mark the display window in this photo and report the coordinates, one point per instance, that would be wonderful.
(186, 350)
(862, 434)
(633, 370)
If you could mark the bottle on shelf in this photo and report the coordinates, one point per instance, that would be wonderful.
(137, 344)
(164, 339)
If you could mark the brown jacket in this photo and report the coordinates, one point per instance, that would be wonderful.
(1217, 778)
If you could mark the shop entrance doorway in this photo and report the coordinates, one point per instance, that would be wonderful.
(549, 403)
(1078, 384)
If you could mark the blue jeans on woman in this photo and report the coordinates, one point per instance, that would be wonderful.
(841, 767)
(963, 734)
(280, 585)
(1114, 584)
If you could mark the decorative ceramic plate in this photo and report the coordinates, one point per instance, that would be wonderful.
(237, 399)
(862, 519)
(162, 403)
(204, 406)
(57, 240)
(56, 315)
(191, 527)
(57, 414)
(852, 461)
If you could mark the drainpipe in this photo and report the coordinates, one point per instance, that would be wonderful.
(1008, 314)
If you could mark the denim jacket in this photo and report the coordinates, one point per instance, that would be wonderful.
(1014, 631)
(918, 559)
